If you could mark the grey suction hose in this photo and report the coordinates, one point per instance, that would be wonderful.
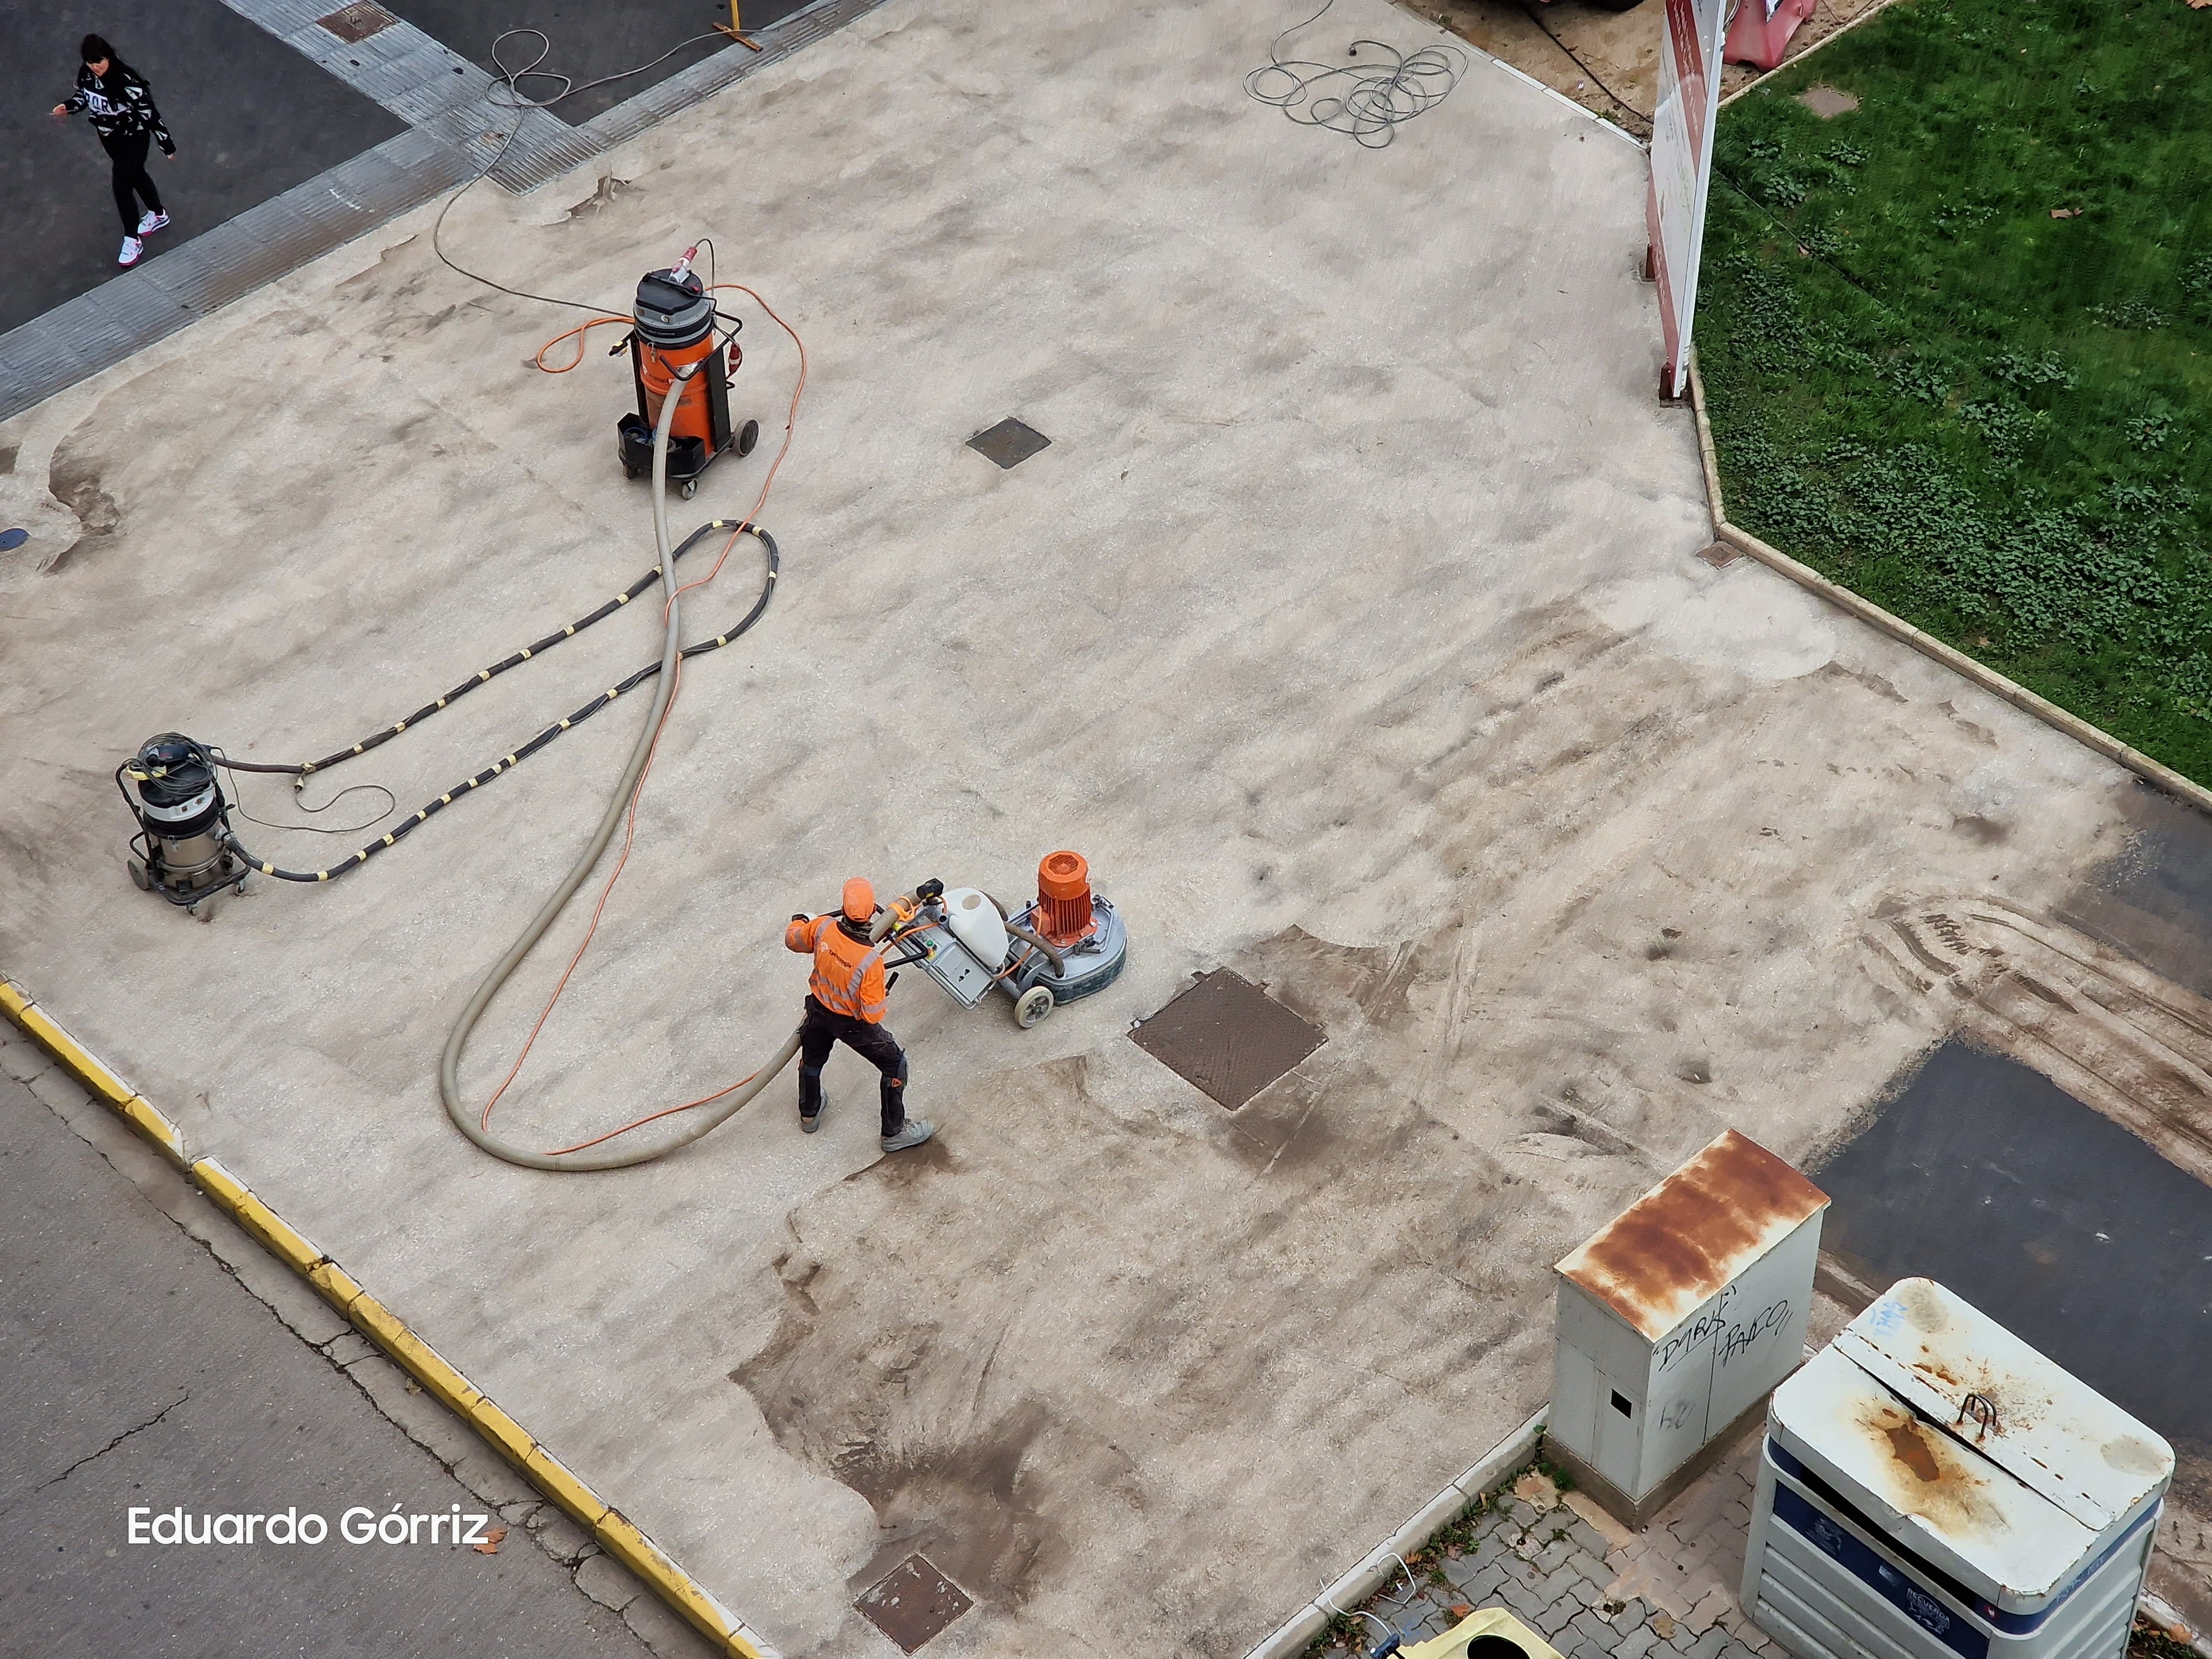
(449, 1082)
(1051, 954)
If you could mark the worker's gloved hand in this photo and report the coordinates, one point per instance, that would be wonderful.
(930, 891)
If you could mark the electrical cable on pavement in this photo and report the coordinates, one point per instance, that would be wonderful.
(1367, 105)
(507, 762)
(516, 102)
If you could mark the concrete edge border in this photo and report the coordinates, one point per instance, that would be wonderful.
(1760, 79)
(2090, 737)
(1466, 45)
(1482, 1477)
(614, 1532)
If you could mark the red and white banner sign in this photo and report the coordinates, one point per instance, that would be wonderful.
(1681, 168)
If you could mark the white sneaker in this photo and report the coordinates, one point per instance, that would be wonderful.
(152, 222)
(133, 247)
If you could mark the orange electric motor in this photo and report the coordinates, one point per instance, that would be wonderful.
(1063, 909)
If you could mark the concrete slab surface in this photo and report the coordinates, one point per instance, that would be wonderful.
(1351, 625)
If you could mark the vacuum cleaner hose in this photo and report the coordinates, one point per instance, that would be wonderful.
(449, 1083)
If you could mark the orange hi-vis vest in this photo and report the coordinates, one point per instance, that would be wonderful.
(848, 973)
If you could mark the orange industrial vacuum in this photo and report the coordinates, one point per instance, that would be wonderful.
(675, 326)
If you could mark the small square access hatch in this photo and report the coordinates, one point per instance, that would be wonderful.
(913, 1602)
(355, 23)
(1009, 443)
(1227, 1037)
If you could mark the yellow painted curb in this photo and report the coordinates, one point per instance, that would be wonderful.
(415, 1356)
(267, 1228)
(2089, 737)
(615, 1533)
(622, 1539)
(152, 1125)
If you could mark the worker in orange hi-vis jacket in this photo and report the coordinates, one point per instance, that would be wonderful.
(845, 1003)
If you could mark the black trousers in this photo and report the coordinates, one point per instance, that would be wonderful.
(822, 1030)
(128, 153)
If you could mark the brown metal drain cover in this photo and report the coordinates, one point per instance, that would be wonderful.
(1227, 1037)
(913, 1602)
(1009, 443)
(355, 23)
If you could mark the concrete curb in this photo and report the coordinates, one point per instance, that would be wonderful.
(1480, 1478)
(614, 1532)
(2104, 743)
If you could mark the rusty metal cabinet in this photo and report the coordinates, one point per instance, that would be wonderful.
(1676, 1319)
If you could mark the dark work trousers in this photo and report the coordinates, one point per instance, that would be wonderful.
(128, 153)
(821, 1032)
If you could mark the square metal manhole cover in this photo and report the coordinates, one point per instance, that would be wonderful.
(1009, 443)
(913, 1602)
(355, 23)
(1227, 1037)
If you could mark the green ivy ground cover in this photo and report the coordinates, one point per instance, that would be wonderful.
(1990, 421)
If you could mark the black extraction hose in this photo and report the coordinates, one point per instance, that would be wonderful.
(723, 1106)
(509, 761)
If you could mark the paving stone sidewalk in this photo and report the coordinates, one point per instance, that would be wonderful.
(1588, 1585)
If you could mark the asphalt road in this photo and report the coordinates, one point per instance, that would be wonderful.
(251, 116)
(136, 1371)
(587, 40)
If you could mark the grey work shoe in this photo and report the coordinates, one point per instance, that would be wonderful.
(916, 1130)
(809, 1125)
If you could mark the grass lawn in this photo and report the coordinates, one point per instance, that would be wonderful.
(1988, 420)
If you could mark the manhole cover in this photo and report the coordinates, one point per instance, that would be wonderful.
(1009, 443)
(1719, 555)
(1826, 101)
(355, 23)
(912, 1602)
(1227, 1037)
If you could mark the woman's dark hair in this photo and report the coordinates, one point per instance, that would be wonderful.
(96, 50)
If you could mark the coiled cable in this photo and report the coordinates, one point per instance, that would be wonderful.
(1366, 104)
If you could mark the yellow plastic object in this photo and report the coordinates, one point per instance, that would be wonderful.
(1485, 1621)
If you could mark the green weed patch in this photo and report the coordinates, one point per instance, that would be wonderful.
(1957, 343)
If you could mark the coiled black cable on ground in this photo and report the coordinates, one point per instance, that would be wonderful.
(1366, 104)
(508, 762)
(301, 770)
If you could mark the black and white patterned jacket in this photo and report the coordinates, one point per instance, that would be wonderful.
(121, 104)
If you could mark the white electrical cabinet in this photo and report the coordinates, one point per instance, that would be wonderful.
(1931, 1487)
(1676, 1319)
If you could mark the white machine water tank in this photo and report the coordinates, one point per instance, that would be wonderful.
(1676, 1318)
(1932, 1486)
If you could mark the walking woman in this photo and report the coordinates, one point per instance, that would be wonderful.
(121, 104)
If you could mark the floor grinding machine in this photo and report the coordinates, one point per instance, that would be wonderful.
(673, 327)
(1068, 943)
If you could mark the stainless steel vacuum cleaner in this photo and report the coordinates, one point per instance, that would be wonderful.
(183, 848)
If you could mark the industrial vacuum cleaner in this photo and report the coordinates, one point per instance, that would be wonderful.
(673, 327)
